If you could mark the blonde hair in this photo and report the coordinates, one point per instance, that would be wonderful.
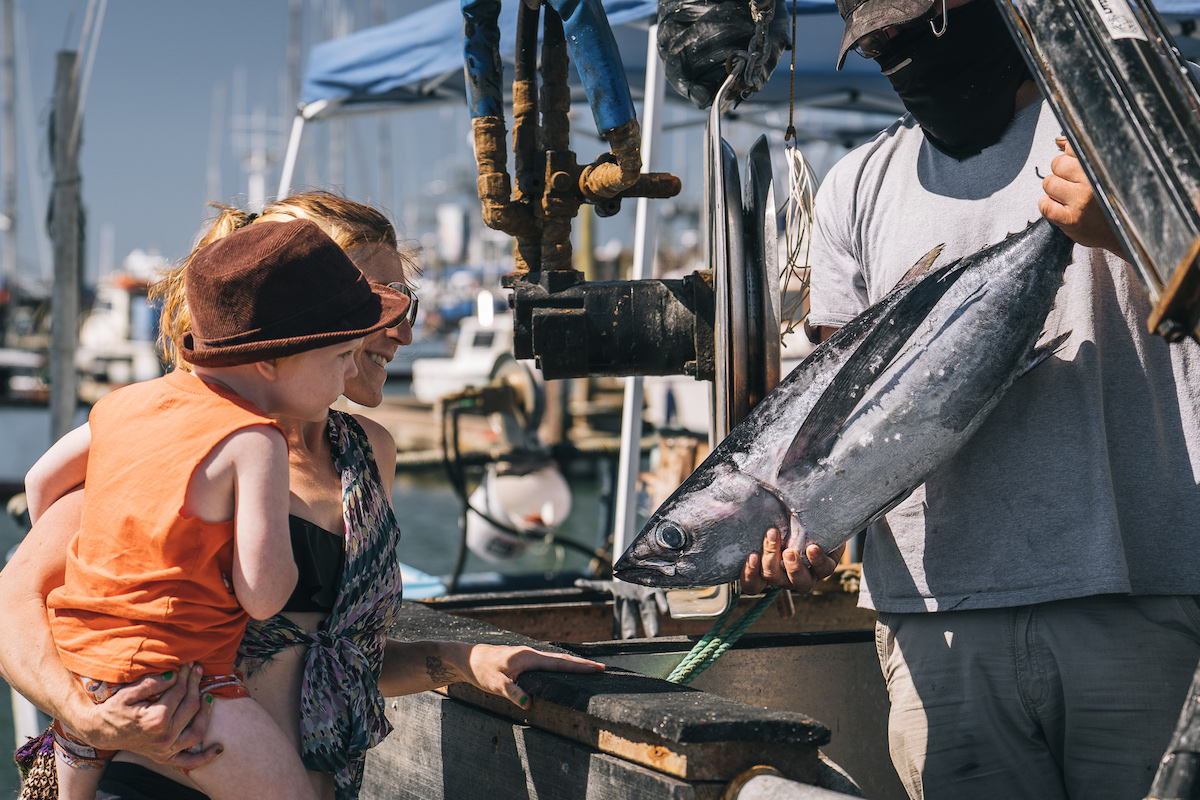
(350, 224)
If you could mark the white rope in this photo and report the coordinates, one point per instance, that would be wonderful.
(802, 186)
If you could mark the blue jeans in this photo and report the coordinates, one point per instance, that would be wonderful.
(1071, 699)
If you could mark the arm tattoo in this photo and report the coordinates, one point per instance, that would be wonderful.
(438, 671)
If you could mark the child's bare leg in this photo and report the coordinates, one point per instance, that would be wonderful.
(77, 765)
(257, 760)
(75, 783)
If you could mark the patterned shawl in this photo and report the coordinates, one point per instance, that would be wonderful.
(341, 709)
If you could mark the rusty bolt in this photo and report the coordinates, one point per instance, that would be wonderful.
(561, 182)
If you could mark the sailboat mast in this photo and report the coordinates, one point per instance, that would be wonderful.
(8, 153)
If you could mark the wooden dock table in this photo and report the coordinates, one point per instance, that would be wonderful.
(614, 735)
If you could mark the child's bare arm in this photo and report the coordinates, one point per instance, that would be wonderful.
(59, 470)
(264, 571)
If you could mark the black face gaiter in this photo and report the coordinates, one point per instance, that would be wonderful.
(961, 88)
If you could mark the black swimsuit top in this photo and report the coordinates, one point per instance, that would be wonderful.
(320, 558)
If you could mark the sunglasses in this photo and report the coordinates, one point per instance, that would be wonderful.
(413, 305)
(877, 43)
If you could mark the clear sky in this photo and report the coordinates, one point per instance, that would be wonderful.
(154, 111)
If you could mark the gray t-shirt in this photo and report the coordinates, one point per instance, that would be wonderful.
(1084, 479)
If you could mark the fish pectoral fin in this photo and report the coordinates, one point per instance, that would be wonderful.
(837, 402)
(886, 339)
(920, 268)
(1040, 354)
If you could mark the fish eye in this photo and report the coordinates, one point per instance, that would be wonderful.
(670, 536)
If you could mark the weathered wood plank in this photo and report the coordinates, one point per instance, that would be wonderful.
(442, 749)
(714, 760)
(682, 732)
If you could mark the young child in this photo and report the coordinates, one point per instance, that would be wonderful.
(184, 532)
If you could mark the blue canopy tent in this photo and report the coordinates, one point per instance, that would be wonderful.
(417, 60)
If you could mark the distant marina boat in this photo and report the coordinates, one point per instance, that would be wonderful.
(428, 346)
(116, 338)
(480, 343)
(19, 375)
(116, 347)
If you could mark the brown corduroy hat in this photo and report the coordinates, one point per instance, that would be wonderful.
(275, 289)
(867, 16)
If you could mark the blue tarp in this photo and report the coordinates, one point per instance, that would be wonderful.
(418, 58)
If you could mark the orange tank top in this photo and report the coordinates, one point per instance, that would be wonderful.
(146, 588)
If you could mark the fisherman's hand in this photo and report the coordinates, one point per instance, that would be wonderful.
(158, 717)
(785, 568)
(1071, 204)
(631, 603)
(495, 668)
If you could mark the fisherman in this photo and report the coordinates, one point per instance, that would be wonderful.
(1038, 624)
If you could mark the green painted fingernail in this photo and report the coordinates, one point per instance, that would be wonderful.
(524, 702)
(168, 675)
(208, 698)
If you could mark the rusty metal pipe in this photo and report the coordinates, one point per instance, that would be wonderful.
(500, 210)
(559, 204)
(608, 178)
(528, 162)
(484, 74)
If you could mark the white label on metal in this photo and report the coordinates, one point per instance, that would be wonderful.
(1119, 19)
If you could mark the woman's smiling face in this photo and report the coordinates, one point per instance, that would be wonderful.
(381, 264)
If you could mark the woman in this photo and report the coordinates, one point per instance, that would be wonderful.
(332, 634)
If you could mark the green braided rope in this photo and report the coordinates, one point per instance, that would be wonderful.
(701, 649)
(713, 644)
(731, 637)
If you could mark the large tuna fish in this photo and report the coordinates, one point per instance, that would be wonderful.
(864, 419)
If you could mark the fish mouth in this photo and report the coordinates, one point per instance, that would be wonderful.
(645, 572)
(638, 575)
(654, 578)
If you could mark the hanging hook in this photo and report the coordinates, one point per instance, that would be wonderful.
(945, 23)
